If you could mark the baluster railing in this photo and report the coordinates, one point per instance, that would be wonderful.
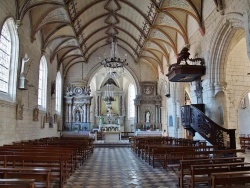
(208, 129)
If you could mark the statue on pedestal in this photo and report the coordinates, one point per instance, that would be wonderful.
(36, 114)
(24, 60)
(147, 117)
(19, 111)
(77, 116)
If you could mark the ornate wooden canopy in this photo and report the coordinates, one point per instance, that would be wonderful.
(182, 71)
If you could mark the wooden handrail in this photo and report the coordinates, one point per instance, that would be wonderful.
(197, 121)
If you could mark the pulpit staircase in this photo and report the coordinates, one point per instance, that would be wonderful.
(194, 120)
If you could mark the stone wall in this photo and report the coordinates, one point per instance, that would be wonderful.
(213, 46)
(25, 129)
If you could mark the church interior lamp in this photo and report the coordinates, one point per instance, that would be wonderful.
(114, 64)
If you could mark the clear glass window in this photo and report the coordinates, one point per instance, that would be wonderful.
(131, 97)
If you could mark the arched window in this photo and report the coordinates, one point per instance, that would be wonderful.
(58, 92)
(131, 97)
(9, 47)
(42, 85)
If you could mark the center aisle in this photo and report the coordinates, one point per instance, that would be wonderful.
(119, 168)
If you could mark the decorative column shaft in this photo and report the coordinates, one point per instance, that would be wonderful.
(85, 113)
(120, 106)
(88, 112)
(70, 113)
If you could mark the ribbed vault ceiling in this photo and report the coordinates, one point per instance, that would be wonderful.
(74, 29)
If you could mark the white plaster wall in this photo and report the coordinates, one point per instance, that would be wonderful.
(202, 46)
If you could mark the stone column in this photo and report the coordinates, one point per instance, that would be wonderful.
(66, 112)
(88, 113)
(156, 114)
(85, 112)
(98, 105)
(120, 106)
(68, 107)
(70, 112)
(137, 114)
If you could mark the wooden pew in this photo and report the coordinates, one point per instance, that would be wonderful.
(81, 148)
(41, 175)
(160, 153)
(44, 152)
(20, 183)
(230, 179)
(61, 154)
(185, 168)
(245, 142)
(185, 165)
(58, 165)
(201, 173)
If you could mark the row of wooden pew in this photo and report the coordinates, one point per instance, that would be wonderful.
(194, 163)
(42, 162)
(245, 141)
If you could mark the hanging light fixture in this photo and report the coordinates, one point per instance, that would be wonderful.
(114, 64)
(108, 96)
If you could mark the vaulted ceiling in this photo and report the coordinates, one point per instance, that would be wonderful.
(73, 30)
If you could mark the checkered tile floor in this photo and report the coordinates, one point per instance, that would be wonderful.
(119, 167)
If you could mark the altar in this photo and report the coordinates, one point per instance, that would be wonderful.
(109, 127)
(148, 133)
(111, 136)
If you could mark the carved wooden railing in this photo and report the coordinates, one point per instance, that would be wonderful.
(208, 129)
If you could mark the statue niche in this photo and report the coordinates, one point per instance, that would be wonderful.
(77, 113)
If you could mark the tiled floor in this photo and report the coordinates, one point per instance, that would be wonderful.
(119, 167)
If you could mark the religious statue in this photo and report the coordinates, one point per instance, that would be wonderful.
(147, 116)
(19, 111)
(43, 122)
(24, 60)
(69, 91)
(35, 114)
(77, 117)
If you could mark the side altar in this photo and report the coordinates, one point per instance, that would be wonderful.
(77, 102)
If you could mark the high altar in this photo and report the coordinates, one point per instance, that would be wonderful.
(111, 132)
(115, 117)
